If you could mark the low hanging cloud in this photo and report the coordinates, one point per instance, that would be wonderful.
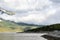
(29, 11)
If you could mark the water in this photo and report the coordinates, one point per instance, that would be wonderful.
(21, 36)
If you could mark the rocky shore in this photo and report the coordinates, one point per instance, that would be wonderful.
(52, 35)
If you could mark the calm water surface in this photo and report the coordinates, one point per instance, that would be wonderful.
(21, 36)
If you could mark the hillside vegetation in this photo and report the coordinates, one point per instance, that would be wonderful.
(7, 26)
(11, 26)
(52, 27)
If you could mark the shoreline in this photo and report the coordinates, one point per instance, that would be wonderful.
(50, 37)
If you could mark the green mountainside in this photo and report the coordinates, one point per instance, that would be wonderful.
(8, 26)
(52, 27)
(11, 26)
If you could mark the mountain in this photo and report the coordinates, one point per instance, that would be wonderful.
(16, 27)
(11, 26)
(52, 27)
(8, 26)
(29, 26)
(26, 24)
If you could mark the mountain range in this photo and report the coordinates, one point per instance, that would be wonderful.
(11, 26)
(46, 28)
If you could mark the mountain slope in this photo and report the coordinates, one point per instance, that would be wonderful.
(11, 26)
(8, 26)
(52, 27)
(28, 26)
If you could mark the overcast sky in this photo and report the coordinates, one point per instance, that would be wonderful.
(32, 11)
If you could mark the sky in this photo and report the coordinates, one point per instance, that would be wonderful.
(32, 11)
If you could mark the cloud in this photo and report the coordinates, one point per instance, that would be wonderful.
(30, 11)
(25, 4)
(56, 1)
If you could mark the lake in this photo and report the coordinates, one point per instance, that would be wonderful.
(21, 36)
